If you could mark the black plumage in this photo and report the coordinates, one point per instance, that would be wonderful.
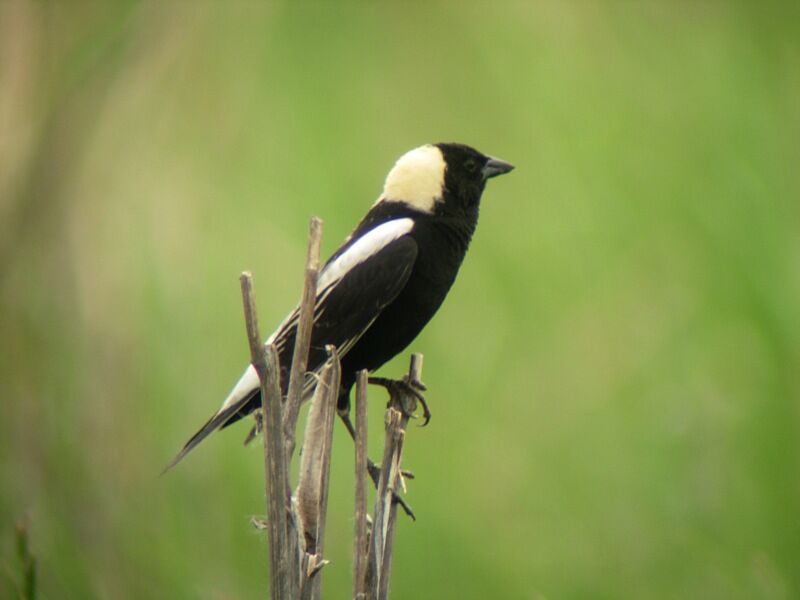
(383, 285)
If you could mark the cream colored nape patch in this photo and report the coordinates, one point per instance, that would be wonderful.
(417, 178)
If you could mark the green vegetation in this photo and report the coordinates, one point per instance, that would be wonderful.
(614, 378)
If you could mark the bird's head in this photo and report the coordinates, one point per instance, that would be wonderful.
(441, 177)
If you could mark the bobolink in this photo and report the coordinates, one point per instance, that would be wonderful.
(383, 285)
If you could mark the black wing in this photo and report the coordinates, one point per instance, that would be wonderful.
(344, 310)
(347, 307)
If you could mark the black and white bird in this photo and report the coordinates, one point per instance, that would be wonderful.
(386, 281)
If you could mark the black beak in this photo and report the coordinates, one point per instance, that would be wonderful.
(495, 167)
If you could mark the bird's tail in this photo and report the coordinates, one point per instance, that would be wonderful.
(234, 408)
(219, 420)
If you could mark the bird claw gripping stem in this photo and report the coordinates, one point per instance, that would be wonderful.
(403, 390)
(258, 425)
(375, 474)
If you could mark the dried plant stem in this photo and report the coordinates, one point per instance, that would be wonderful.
(360, 534)
(303, 338)
(311, 495)
(379, 560)
(283, 564)
(296, 524)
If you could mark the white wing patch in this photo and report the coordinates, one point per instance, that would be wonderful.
(417, 179)
(366, 246)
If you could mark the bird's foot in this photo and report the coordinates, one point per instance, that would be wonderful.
(405, 393)
(375, 474)
(374, 470)
(257, 427)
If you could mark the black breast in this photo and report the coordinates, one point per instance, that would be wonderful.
(442, 245)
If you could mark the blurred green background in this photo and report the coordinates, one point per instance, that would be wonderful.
(614, 379)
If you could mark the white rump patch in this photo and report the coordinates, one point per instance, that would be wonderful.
(364, 247)
(417, 179)
(247, 384)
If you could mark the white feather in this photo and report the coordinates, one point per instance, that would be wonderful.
(366, 246)
(245, 387)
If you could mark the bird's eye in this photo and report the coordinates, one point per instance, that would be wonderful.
(471, 165)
